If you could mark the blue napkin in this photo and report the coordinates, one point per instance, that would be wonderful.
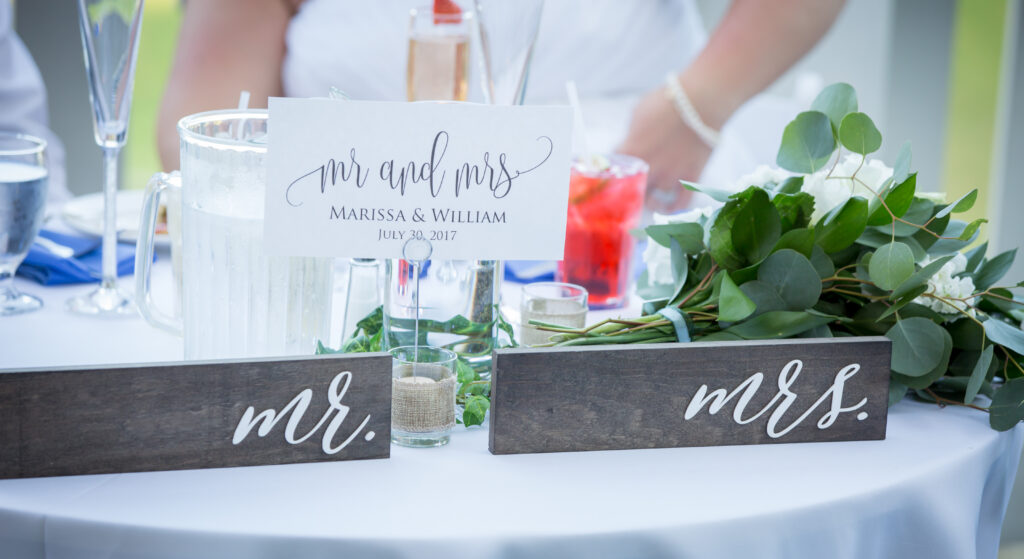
(527, 271)
(85, 266)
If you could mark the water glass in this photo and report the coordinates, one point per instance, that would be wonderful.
(23, 185)
(561, 304)
(423, 383)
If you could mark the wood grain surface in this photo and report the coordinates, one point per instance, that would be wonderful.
(638, 396)
(184, 415)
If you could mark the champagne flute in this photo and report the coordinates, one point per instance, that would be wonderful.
(438, 62)
(23, 184)
(110, 42)
(505, 35)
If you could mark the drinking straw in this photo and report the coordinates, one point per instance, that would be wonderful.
(243, 104)
(581, 127)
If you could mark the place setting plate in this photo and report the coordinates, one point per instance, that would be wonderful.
(85, 215)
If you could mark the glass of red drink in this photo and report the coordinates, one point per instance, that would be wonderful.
(604, 204)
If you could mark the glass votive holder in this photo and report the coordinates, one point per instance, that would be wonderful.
(562, 304)
(423, 384)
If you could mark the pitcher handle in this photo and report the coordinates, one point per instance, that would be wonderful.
(144, 253)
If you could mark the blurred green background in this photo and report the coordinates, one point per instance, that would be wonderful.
(161, 20)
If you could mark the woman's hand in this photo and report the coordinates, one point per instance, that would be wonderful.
(755, 43)
(674, 152)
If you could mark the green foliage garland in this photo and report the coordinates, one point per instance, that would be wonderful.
(881, 262)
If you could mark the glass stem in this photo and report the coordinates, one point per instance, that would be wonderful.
(7, 290)
(110, 157)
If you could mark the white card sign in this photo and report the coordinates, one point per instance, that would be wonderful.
(360, 178)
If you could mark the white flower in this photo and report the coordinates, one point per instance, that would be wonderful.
(761, 176)
(831, 191)
(658, 258)
(944, 284)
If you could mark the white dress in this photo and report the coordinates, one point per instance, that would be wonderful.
(609, 47)
(615, 50)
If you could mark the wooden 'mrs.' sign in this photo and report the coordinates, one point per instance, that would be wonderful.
(194, 415)
(695, 394)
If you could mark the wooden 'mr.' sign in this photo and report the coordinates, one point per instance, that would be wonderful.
(194, 415)
(694, 394)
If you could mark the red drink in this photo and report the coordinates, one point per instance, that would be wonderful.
(604, 204)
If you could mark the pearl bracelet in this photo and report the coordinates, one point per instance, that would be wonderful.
(689, 114)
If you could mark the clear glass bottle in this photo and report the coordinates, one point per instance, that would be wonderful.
(363, 294)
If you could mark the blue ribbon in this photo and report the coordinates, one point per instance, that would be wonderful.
(673, 315)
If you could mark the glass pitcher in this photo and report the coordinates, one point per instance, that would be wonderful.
(235, 300)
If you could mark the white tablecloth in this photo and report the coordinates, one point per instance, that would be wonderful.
(937, 487)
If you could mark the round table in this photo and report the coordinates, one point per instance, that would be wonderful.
(937, 487)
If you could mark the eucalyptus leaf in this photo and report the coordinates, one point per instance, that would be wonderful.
(920, 277)
(795, 210)
(993, 270)
(978, 374)
(822, 263)
(906, 299)
(955, 228)
(720, 239)
(793, 277)
(690, 236)
(897, 198)
(874, 238)
(923, 381)
(858, 134)
(757, 227)
(843, 225)
(901, 168)
(717, 194)
(718, 337)
(962, 204)
(836, 101)
(971, 230)
(995, 301)
(680, 265)
(821, 331)
(919, 212)
(733, 305)
(648, 291)
(1007, 408)
(800, 240)
(777, 325)
(975, 257)
(967, 334)
(919, 252)
(791, 185)
(920, 311)
(916, 346)
(896, 392)
(764, 296)
(868, 320)
(1005, 335)
(891, 265)
(807, 143)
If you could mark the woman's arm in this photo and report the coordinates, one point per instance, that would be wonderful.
(224, 46)
(756, 43)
